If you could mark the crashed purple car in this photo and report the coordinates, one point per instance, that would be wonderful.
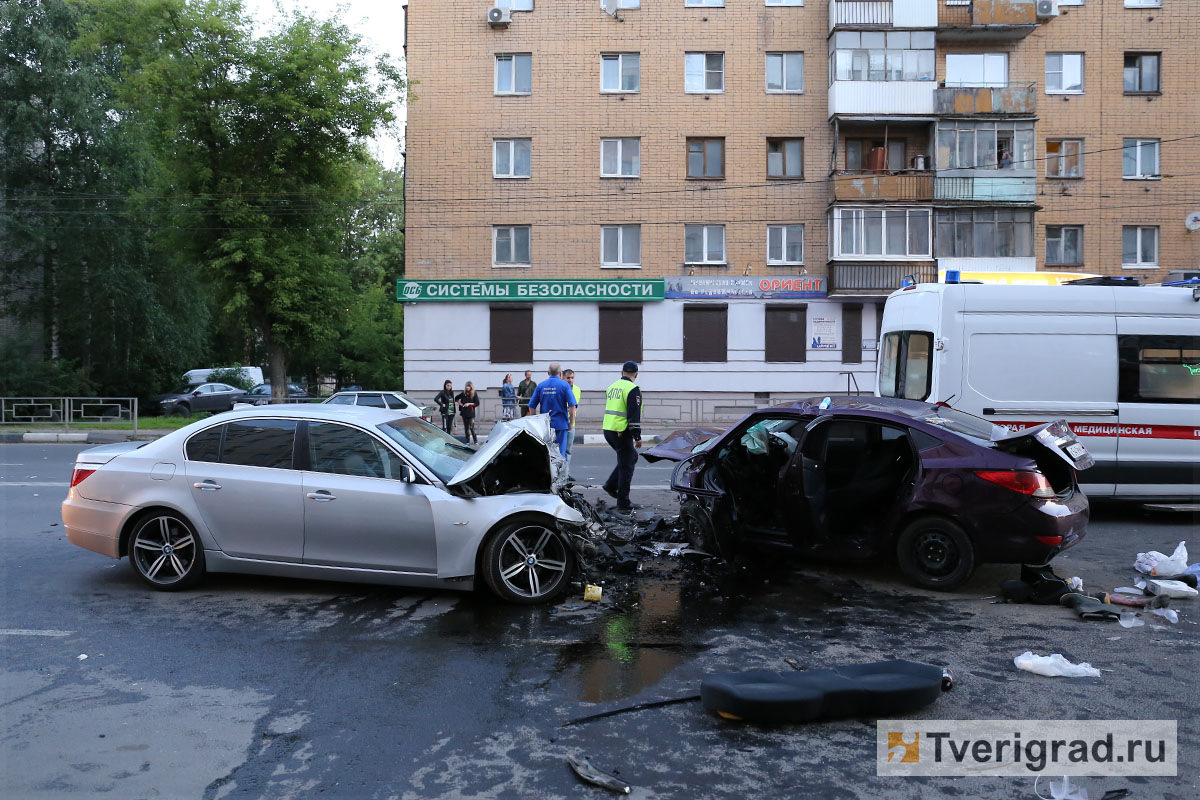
(867, 478)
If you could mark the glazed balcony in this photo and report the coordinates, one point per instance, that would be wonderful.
(986, 20)
(1013, 98)
(883, 14)
(909, 186)
(986, 186)
(874, 98)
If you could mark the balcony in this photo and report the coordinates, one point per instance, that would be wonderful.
(986, 185)
(876, 280)
(908, 187)
(883, 14)
(873, 98)
(1015, 98)
(986, 20)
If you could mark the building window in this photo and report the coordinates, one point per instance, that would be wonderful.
(510, 246)
(620, 72)
(1139, 159)
(704, 244)
(882, 56)
(785, 158)
(1141, 73)
(705, 333)
(620, 158)
(785, 244)
(511, 158)
(876, 232)
(511, 334)
(513, 73)
(1138, 3)
(706, 158)
(984, 144)
(1158, 369)
(620, 334)
(786, 333)
(977, 69)
(984, 233)
(710, 3)
(785, 2)
(704, 72)
(852, 333)
(1064, 73)
(515, 5)
(785, 72)
(1064, 245)
(1139, 246)
(621, 245)
(1064, 158)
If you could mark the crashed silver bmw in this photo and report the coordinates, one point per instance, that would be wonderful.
(346, 493)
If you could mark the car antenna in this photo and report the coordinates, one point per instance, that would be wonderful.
(946, 403)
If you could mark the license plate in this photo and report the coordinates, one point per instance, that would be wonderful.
(1076, 450)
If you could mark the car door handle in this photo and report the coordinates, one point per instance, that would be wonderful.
(321, 496)
(206, 486)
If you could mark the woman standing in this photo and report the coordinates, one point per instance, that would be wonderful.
(508, 398)
(445, 404)
(468, 401)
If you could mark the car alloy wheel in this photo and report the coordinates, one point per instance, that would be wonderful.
(527, 562)
(935, 553)
(166, 552)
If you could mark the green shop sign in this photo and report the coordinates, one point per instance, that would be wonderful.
(524, 291)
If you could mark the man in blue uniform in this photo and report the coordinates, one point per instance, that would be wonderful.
(553, 396)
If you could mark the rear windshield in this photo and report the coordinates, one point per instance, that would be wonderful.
(978, 430)
(439, 451)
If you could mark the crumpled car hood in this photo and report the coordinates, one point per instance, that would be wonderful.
(520, 456)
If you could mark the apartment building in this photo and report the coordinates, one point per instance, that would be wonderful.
(727, 190)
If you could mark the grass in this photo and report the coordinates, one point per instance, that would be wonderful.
(167, 423)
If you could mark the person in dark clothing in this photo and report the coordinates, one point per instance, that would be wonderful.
(468, 401)
(445, 404)
(525, 391)
(623, 432)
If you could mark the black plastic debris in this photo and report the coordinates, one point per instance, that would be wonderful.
(589, 774)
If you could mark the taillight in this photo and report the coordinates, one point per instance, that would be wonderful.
(78, 474)
(1031, 483)
(1049, 540)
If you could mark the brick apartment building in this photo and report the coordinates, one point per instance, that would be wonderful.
(726, 191)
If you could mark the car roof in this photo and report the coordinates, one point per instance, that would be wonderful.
(364, 415)
(914, 409)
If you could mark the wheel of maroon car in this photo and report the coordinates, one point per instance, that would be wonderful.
(698, 529)
(934, 553)
(527, 561)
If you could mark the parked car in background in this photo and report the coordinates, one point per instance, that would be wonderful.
(212, 397)
(195, 377)
(261, 395)
(396, 401)
(870, 478)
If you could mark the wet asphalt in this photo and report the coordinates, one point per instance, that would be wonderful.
(260, 687)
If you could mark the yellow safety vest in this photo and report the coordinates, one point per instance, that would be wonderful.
(578, 396)
(616, 405)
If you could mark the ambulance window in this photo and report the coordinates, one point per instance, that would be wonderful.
(1159, 369)
(906, 365)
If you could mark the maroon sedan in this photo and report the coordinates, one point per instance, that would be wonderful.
(872, 477)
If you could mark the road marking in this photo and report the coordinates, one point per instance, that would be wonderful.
(27, 632)
(32, 483)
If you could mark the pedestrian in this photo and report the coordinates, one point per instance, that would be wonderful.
(508, 398)
(569, 377)
(623, 432)
(468, 401)
(445, 404)
(554, 397)
(525, 391)
(1006, 161)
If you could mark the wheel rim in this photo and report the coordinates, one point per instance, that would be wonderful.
(936, 553)
(164, 550)
(532, 561)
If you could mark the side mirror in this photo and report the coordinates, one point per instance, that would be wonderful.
(196, 393)
(408, 474)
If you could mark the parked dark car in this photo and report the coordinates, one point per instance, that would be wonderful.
(261, 395)
(939, 490)
(203, 397)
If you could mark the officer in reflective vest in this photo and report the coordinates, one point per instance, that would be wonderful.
(623, 431)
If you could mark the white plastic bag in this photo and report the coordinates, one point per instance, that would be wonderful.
(1128, 619)
(1054, 666)
(1156, 563)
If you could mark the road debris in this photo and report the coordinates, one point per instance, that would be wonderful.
(1054, 666)
(589, 774)
(1160, 564)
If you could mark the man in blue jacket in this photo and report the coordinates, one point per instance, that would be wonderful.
(553, 396)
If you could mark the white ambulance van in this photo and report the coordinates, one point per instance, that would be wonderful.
(1120, 363)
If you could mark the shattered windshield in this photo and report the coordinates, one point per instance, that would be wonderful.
(967, 425)
(433, 447)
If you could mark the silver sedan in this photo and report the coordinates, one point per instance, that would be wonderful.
(343, 493)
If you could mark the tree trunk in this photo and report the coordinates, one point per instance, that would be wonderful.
(277, 365)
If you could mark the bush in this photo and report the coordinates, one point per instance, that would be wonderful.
(23, 376)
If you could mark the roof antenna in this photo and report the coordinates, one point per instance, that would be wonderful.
(610, 8)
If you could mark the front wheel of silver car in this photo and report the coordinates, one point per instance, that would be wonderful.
(165, 551)
(527, 562)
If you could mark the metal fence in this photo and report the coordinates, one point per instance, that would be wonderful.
(68, 411)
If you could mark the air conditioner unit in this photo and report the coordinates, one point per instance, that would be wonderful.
(500, 17)
(1047, 9)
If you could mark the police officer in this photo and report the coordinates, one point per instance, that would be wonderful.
(623, 431)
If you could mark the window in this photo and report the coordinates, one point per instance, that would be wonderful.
(1064, 245)
(206, 445)
(714, 3)
(620, 72)
(860, 159)
(785, 2)
(1159, 369)
(342, 450)
(1064, 158)
(513, 71)
(627, 4)
(1064, 73)
(511, 334)
(510, 246)
(1139, 159)
(371, 399)
(852, 333)
(1141, 73)
(515, 5)
(259, 443)
(785, 158)
(706, 158)
(704, 244)
(984, 144)
(620, 334)
(785, 244)
(394, 402)
(1139, 3)
(786, 333)
(984, 233)
(902, 232)
(704, 72)
(882, 56)
(620, 158)
(785, 72)
(621, 245)
(906, 358)
(705, 333)
(511, 158)
(977, 69)
(1139, 246)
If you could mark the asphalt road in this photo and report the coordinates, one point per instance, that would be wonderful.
(257, 687)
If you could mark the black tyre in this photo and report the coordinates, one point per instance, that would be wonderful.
(697, 527)
(934, 553)
(180, 410)
(527, 562)
(165, 551)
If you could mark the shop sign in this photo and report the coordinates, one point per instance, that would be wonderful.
(526, 291)
(767, 287)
